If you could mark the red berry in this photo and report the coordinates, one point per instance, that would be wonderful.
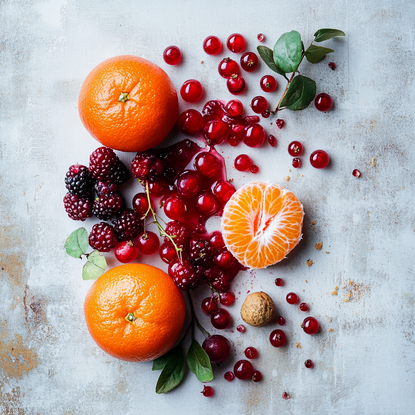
(281, 320)
(249, 61)
(207, 164)
(223, 190)
(227, 298)
(228, 67)
(241, 328)
(259, 104)
(191, 90)
(167, 252)
(102, 237)
(256, 376)
(356, 173)
(332, 65)
(212, 45)
(251, 352)
(233, 141)
(236, 43)
(310, 325)
(207, 391)
(206, 204)
(285, 396)
(140, 204)
(254, 169)
(260, 37)
(243, 369)
(216, 239)
(126, 251)
(266, 114)
(280, 123)
(323, 102)
(268, 83)
(229, 376)
(253, 135)
(303, 307)
(217, 348)
(295, 149)
(148, 243)
(158, 188)
(296, 163)
(190, 122)
(309, 364)
(236, 84)
(279, 282)
(77, 208)
(235, 108)
(225, 260)
(251, 119)
(209, 305)
(272, 140)
(277, 338)
(183, 274)
(215, 132)
(175, 208)
(319, 159)
(188, 184)
(220, 319)
(242, 162)
(292, 298)
(172, 55)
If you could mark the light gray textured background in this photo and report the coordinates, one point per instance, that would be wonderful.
(48, 362)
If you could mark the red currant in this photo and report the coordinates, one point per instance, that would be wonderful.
(280, 123)
(236, 43)
(227, 298)
(332, 65)
(323, 102)
(220, 319)
(241, 328)
(158, 188)
(254, 169)
(229, 376)
(228, 67)
(207, 164)
(172, 55)
(309, 364)
(175, 208)
(310, 325)
(281, 320)
(217, 347)
(225, 260)
(126, 251)
(251, 119)
(223, 190)
(265, 113)
(356, 173)
(256, 376)
(279, 282)
(190, 122)
(216, 131)
(249, 61)
(243, 369)
(295, 149)
(251, 353)
(206, 204)
(319, 159)
(296, 162)
(242, 162)
(212, 45)
(191, 90)
(148, 243)
(268, 83)
(236, 84)
(209, 305)
(253, 135)
(167, 252)
(272, 140)
(303, 307)
(277, 338)
(235, 108)
(259, 104)
(207, 391)
(260, 37)
(216, 239)
(140, 204)
(292, 298)
(285, 396)
(188, 184)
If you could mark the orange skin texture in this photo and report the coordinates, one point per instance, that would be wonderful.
(141, 122)
(147, 292)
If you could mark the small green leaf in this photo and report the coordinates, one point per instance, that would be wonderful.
(326, 34)
(267, 55)
(199, 362)
(77, 243)
(315, 54)
(300, 93)
(95, 266)
(160, 362)
(172, 374)
(288, 51)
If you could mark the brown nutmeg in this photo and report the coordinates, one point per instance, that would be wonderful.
(258, 309)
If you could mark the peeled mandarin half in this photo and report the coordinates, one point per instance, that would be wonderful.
(262, 223)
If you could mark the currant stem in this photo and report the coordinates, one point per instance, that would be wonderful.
(194, 318)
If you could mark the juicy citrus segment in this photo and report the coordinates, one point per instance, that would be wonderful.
(262, 223)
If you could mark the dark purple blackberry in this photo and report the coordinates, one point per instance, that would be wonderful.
(146, 167)
(179, 232)
(102, 237)
(105, 188)
(108, 205)
(76, 207)
(218, 279)
(128, 225)
(200, 252)
(104, 165)
(78, 181)
(184, 275)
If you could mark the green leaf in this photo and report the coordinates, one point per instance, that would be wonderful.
(326, 34)
(300, 93)
(288, 51)
(267, 56)
(199, 362)
(172, 373)
(95, 266)
(160, 362)
(315, 54)
(77, 243)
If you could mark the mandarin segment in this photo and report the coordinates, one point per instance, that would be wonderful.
(261, 224)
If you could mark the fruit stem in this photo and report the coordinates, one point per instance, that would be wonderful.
(123, 97)
(130, 317)
(194, 318)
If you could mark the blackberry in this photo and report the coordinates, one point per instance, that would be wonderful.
(108, 205)
(104, 165)
(218, 279)
(78, 181)
(200, 252)
(102, 237)
(77, 208)
(184, 275)
(146, 167)
(128, 225)
(105, 188)
(179, 232)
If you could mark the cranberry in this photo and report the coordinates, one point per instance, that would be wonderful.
(309, 364)
(220, 319)
(227, 298)
(212, 45)
(172, 55)
(242, 162)
(279, 282)
(241, 328)
(295, 149)
(356, 173)
(223, 190)
(236, 84)
(191, 90)
(292, 298)
(225, 260)
(260, 37)
(253, 135)
(272, 140)
(256, 376)
(209, 305)
(323, 102)
(319, 159)
(281, 320)
(249, 61)
(190, 122)
(215, 131)
(235, 108)
(228, 67)
(206, 204)
(243, 369)
(175, 208)
(268, 83)
(207, 164)
(266, 114)
(251, 352)
(229, 376)
(188, 184)
(277, 338)
(332, 65)
(216, 239)
(148, 243)
(251, 119)
(140, 204)
(254, 169)
(259, 104)
(296, 163)
(285, 396)
(158, 188)
(236, 43)
(217, 348)
(280, 123)
(126, 251)
(310, 325)
(207, 391)
(303, 307)
(167, 252)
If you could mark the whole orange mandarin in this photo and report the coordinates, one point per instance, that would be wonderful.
(134, 312)
(128, 103)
